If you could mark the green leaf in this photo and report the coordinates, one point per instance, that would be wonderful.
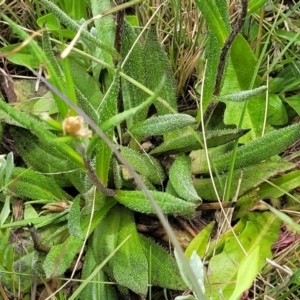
(162, 266)
(9, 166)
(42, 157)
(283, 184)
(246, 274)
(29, 184)
(251, 177)
(157, 65)
(133, 67)
(73, 25)
(74, 219)
(61, 256)
(181, 179)
(42, 132)
(242, 95)
(5, 211)
(294, 102)
(39, 221)
(145, 165)
(277, 114)
(261, 230)
(169, 204)
(283, 217)
(97, 288)
(105, 242)
(162, 124)
(254, 5)
(238, 79)
(185, 140)
(23, 57)
(41, 57)
(105, 31)
(54, 26)
(130, 266)
(107, 109)
(200, 241)
(272, 143)
(213, 17)
(197, 268)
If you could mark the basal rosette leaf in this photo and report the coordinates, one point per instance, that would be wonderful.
(181, 179)
(137, 201)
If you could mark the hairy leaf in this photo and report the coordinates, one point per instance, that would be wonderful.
(186, 141)
(132, 52)
(251, 177)
(169, 204)
(29, 184)
(162, 124)
(157, 66)
(272, 143)
(145, 165)
(164, 271)
(180, 177)
(130, 267)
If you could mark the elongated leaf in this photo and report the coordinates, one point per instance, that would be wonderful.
(181, 180)
(284, 183)
(238, 79)
(96, 289)
(197, 268)
(42, 157)
(272, 143)
(39, 221)
(88, 87)
(72, 25)
(133, 67)
(145, 165)
(117, 119)
(32, 185)
(200, 241)
(105, 28)
(108, 109)
(251, 177)
(162, 124)
(261, 230)
(254, 5)
(186, 141)
(243, 95)
(105, 242)
(246, 273)
(130, 267)
(41, 57)
(61, 256)
(74, 219)
(157, 66)
(137, 201)
(42, 132)
(163, 269)
(283, 217)
(22, 58)
(213, 18)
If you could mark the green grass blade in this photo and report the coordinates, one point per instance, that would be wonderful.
(72, 25)
(43, 60)
(213, 18)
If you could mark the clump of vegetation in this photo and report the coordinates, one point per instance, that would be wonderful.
(144, 120)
